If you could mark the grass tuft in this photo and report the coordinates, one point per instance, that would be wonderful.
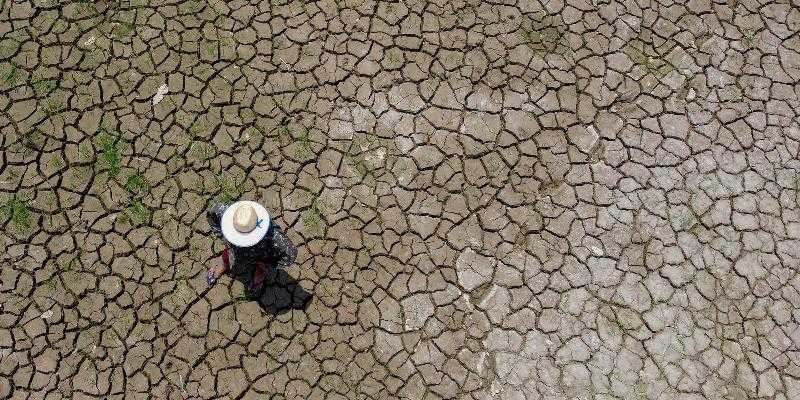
(123, 29)
(312, 217)
(18, 212)
(649, 57)
(136, 183)
(13, 77)
(544, 35)
(135, 213)
(229, 190)
(32, 141)
(303, 144)
(111, 154)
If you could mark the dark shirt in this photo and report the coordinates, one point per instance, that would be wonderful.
(275, 247)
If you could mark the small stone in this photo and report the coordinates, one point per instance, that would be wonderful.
(47, 314)
(160, 92)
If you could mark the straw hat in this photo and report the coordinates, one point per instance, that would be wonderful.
(245, 223)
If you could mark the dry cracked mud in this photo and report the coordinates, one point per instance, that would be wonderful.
(522, 199)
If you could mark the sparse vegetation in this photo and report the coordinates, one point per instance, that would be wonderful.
(44, 85)
(650, 58)
(51, 284)
(229, 190)
(135, 213)
(137, 183)
(85, 151)
(393, 58)
(284, 133)
(303, 144)
(123, 29)
(52, 107)
(17, 212)
(544, 34)
(750, 38)
(312, 217)
(360, 166)
(111, 153)
(13, 77)
(31, 141)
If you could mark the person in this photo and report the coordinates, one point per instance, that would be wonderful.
(251, 239)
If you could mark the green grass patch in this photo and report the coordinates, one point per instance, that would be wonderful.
(545, 34)
(649, 57)
(303, 144)
(18, 213)
(44, 85)
(111, 154)
(123, 29)
(13, 77)
(230, 191)
(57, 162)
(137, 183)
(52, 107)
(136, 213)
(312, 217)
(32, 141)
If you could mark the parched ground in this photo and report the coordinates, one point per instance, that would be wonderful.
(492, 200)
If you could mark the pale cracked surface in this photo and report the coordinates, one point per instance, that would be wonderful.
(523, 200)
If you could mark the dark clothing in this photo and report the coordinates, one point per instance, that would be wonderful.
(275, 248)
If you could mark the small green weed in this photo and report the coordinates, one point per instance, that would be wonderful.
(544, 35)
(52, 107)
(18, 212)
(32, 141)
(229, 191)
(13, 77)
(649, 57)
(57, 162)
(44, 85)
(750, 38)
(123, 29)
(135, 213)
(312, 217)
(303, 144)
(111, 154)
(136, 183)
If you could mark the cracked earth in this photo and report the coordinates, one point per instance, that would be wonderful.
(491, 200)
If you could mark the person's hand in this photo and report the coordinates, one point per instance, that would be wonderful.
(220, 265)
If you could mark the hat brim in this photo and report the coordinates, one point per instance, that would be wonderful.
(248, 239)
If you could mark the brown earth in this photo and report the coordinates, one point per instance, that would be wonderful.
(492, 200)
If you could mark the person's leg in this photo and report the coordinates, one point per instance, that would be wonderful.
(216, 270)
(258, 277)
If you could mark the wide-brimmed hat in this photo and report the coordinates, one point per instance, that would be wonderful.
(245, 223)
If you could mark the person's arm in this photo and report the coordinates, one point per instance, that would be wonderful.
(284, 249)
(214, 216)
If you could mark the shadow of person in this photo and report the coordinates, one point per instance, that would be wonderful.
(280, 293)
